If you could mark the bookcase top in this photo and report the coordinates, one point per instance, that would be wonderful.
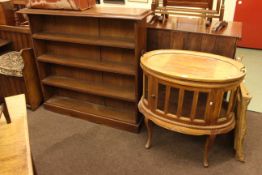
(97, 11)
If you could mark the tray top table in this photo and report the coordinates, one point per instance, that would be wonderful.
(190, 92)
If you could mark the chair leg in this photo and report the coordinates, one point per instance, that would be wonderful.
(148, 124)
(33, 166)
(209, 143)
(5, 112)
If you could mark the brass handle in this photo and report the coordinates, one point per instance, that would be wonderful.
(153, 96)
(243, 69)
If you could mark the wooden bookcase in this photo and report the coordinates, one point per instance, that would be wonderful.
(88, 62)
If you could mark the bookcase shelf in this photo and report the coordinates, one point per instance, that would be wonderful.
(88, 63)
(83, 39)
(89, 108)
(90, 87)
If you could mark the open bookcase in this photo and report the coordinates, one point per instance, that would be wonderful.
(88, 62)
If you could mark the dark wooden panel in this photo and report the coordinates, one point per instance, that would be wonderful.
(20, 36)
(225, 46)
(192, 41)
(177, 40)
(11, 86)
(158, 39)
(168, 39)
(208, 43)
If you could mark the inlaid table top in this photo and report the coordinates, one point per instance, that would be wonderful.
(195, 66)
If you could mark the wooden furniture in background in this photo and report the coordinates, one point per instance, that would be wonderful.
(196, 8)
(6, 13)
(19, 36)
(88, 62)
(181, 93)
(18, 5)
(15, 157)
(28, 84)
(191, 34)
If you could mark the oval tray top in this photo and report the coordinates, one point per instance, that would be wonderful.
(194, 66)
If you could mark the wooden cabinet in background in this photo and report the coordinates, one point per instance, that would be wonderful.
(192, 34)
(88, 62)
(6, 13)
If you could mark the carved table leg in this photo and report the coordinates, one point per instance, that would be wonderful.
(148, 124)
(209, 143)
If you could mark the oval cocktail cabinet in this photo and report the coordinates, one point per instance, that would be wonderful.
(190, 92)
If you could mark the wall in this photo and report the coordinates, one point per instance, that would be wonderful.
(229, 7)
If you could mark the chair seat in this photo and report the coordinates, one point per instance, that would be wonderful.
(12, 64)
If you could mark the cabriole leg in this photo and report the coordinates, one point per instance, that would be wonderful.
(209, 143)
(148, 124)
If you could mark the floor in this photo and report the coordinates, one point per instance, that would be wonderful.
(253, 62)
(63, 145)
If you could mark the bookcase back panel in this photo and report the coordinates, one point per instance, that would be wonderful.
(115, 28)
(41, 47)
(75, 95)
(69, 25)
(126, 108)
(86, 52)
(125, 56)
(73, 50)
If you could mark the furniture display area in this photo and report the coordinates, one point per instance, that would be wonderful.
(192, 34)
(194, 99)
(15, 157)
(88, 62)
(28, 83)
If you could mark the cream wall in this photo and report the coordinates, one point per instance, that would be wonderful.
(229, 7)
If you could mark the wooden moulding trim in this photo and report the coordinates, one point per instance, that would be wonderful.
(186, 128)
(25, 30)
(95, 118)
(87, 13)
